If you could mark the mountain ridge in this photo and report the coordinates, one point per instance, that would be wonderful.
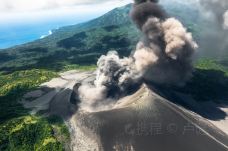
(84, 43)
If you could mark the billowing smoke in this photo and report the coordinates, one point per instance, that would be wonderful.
(116, 77)
(163, 56)
(214, 35)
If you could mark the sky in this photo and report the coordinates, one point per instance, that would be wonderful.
(21, 11)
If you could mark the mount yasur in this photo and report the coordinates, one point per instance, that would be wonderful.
(122, 105)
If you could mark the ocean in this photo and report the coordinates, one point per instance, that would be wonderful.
(17, 28)
(17, 34)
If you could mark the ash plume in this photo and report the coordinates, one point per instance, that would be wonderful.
(215, 8)
(116, 77)
(162, 56)
(214, 36)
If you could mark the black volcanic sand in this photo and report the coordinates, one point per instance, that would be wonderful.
(149, 124)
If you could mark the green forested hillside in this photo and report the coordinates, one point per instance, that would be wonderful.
(19, 130)
(209, 81)
(29, 133)
(14, 86)
(82, 44)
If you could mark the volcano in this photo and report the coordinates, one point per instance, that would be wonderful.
(103, 114)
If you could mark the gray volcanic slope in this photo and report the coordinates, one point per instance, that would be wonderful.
(147, 122)
(143, 121)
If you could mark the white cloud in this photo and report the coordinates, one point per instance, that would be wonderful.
(20, 11)
(34, 5)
